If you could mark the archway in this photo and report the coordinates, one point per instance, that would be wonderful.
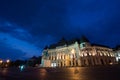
(61, 64)
(102, 62)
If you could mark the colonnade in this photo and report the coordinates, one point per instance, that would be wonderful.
(89, 56)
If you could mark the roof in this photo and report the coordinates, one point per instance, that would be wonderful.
(72, 41)
(62, 42)
(83, 39)
(117, 47)
(100, 45)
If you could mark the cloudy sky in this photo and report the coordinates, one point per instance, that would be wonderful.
(27, 26)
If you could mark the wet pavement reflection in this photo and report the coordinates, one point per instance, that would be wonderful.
(74, 73)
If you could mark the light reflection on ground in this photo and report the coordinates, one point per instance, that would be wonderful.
(73, 73)
(43, 74)
(4, 71)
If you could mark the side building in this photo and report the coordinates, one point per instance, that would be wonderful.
(76, 53)
(117, 53)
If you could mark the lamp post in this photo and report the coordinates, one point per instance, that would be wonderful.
(7, 63)
(1, 63)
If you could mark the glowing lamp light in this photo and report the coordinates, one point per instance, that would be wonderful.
(90, 54)
(93, 54)
(81, 55)
(22, 67)
(85, 54)
(100, 54)
(111, 63)
(71, 56)
(1, 61)
(8, 61)
(73, 51)
(53, 64)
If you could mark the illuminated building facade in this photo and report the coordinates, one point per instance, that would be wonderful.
(76, 53)
(117, 53)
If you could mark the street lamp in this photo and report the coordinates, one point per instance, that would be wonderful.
(8, 61)
(1, 61)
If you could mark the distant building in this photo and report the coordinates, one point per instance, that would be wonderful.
(117, 53)
(77, 53)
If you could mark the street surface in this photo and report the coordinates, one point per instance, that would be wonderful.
(74, 73)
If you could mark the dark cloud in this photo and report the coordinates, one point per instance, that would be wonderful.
(20, 11)
(6, 52)
(42, 22)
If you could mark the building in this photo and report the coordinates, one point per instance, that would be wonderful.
(117, 53)
(76, 53)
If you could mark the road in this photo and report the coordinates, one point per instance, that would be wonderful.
(74, 73)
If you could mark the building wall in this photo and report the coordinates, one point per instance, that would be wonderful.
(97, 56)
(77, 55)
(117, 55)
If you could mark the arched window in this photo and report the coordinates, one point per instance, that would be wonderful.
(64, 56)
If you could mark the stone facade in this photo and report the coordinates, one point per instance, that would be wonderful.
(117, 53)
(77, 53)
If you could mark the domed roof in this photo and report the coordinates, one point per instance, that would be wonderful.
(83, 39)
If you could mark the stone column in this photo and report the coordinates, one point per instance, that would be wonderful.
(95, 58)
(75, 62)
(92, 61)
(79, 62)
(63, 63)
(87, 62)
(71, 63)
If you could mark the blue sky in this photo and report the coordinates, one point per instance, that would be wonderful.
(27, 26)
